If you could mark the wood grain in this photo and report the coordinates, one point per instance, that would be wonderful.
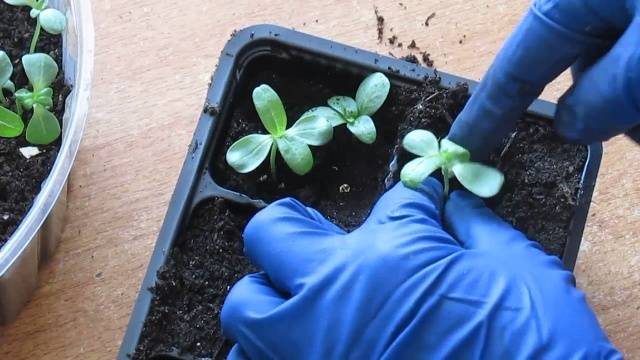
(153, 63)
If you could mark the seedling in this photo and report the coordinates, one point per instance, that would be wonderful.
(43, 127)
(452, 159)
(313, 128)
(357, 113)
(51, 20)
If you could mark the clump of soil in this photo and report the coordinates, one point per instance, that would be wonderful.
(191, 287)
(21, 178)
(429, 18)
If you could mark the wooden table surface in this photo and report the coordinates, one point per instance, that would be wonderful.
(153, 64)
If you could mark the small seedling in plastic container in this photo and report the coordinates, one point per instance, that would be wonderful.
(44, 127)
(313, 128)
(51, 20)
(356, 113)
(452, 159)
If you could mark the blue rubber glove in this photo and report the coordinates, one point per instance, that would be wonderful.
(401, 287)
(601, 38)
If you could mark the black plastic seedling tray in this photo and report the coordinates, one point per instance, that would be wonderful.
(196, 183)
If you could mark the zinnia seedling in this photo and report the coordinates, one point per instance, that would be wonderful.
(313, 128)
(51, 20)
(44, 127)
(357, 113)
(452, 159)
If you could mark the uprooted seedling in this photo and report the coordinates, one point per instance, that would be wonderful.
(452, 159)
(312, 128)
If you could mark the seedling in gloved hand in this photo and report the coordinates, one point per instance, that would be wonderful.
(357, 113)
(452, 159)
(51, 20)
(313, 128)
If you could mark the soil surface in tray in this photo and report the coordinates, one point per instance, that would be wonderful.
(21, 178)
(192, 286)
(539, 197)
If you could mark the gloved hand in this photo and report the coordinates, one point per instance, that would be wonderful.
(601, 38)
(401, 287)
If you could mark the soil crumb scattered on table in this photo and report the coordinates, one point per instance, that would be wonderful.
(429, 18)
(379, 24)
(411, 58)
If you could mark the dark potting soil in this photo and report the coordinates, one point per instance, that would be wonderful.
(21, 178)
(192, 285)
(542, 182)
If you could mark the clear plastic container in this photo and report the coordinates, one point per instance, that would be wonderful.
(36, 237)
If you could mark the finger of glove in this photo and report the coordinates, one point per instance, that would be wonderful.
(477, 227)
(247, 317)
(548, 40)
(289, 241)
(423, 204)
(605, 101)
(404, 214)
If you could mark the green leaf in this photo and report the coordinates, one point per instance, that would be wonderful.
(416, 170)
(296, 154)
(372, 93)
(246, 154)
(6, 68)
(43, 128)
(30, 3)
(270, 109)
(25, 98)
(481, 180)
(421, 143)
(333, 117)
(345, 105)
(311, 129)
(41, 70)
(52, 21)
(11, 124)
(44, 97)
(453, 152)
(363, 128)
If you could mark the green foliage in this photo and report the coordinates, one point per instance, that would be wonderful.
(356, 113)
(11, 124)
(313, 128)
(44, 127)
(452, 159)
(52, 21)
